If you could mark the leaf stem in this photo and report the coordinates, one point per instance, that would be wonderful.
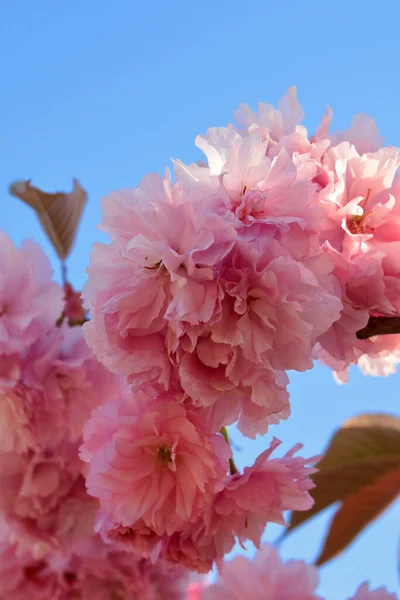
(63, 273)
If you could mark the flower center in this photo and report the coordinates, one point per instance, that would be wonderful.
(356, 224)
(157, 267)
(69, 577)
(164, 455)
(159, 271)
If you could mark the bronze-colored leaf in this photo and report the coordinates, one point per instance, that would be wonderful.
(335, 485)
(384, 420)
(59, 213)
(364, 450)
(359, 510)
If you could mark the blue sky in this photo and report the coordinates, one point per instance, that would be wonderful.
(107, 91)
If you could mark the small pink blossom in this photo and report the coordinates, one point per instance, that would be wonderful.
(138, 538)
(44, 499)
(50, 391)
(264, 492)
(359, 201)
(29, 301)
(150, 463)
(159, 268)
(88, 571)
(195, 548)
(271, 123)
(266, 577)
(64, 368)
(254, 394)
(363, 133)
(28, 420)
(34, 483)
(258, 190)
(242, 509)
(277, 306)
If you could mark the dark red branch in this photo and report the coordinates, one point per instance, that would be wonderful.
(379, 326)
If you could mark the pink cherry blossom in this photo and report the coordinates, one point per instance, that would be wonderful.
(88, 571)
(29, 300)
(377, 356)
(138, 538)
(34, 483)
(53, 387)
(242, 509)
(264, 492)
(272, 123)
(363, 133)
(65, 369)
(360, 234)
(281, 128)
(149, 463)
(44, 499)
(257, 189)
(159, 267)
(266, 577)
(28, 420)
(359, 199)
(277, 307)
(195, 549)
(254, 394)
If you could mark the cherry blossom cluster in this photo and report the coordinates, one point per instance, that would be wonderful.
(217, 282)
(273, 254)
(49, 383)
(116, 473)
(164, 486)
(89, 570)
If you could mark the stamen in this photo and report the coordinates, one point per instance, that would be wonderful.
(156, 266)
(356, 221)
(363, 204)
(165, 455)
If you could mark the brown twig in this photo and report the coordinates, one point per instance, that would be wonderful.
(379, 326)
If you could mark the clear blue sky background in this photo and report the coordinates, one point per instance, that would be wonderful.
(107, 91)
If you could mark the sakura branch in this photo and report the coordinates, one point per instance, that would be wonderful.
(379, 326)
